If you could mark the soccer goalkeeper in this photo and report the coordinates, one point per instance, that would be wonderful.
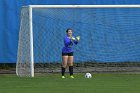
(67, 52)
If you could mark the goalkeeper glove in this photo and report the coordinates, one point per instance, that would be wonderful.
(78, 38)
(72, 38)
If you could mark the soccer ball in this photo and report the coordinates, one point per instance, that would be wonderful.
(88, 75)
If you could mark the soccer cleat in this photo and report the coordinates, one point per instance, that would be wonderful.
(63, 76)
(71, 76)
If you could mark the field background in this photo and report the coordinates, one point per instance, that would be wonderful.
(52, 83)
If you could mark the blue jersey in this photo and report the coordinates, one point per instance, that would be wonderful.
(68, 45)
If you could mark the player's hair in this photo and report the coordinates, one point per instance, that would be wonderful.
(68, 30)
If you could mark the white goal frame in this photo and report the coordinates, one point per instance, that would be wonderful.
(31, 7)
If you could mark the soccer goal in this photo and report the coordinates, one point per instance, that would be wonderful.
(109, 33)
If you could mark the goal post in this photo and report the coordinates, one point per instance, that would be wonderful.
(25, 56)
(31, 41)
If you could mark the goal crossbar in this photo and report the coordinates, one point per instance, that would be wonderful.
(84, 6)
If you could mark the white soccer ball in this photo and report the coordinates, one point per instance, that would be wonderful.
(88, 75)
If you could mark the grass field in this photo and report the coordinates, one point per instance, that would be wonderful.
(52, 83)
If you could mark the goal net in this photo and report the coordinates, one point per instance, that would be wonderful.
(109, 34)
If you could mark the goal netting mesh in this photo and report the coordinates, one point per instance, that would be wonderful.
(108, 35)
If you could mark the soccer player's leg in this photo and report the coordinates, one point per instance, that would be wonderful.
(70, 63)
(64, 65)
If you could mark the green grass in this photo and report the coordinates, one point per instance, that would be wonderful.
(52, 83)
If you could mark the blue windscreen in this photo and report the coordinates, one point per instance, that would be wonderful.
(107, 35)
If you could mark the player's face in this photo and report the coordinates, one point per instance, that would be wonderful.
(69, 33)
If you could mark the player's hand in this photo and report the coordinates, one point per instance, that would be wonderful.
(78, 38)
(72, 38)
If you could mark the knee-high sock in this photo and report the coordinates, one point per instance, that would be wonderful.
(63, 71)
(71, 70)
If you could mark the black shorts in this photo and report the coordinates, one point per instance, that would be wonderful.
(67, 54)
